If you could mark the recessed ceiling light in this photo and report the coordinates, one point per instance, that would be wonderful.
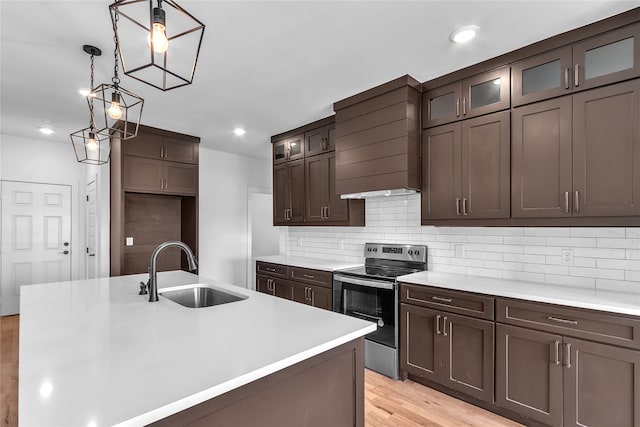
(239, 131)
(46, 131)
(464, 34)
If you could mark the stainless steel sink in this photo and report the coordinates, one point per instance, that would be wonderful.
(200, 295)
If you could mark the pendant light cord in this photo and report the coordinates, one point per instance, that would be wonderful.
(91, 95)
(115, 79)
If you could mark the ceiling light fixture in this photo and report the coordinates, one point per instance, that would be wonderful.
(118, 109)
(464, 34)
(46, 131)
(91, 144)
(173, 38)
(239, 131)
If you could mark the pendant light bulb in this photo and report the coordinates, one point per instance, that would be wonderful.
(91, 144)
(114, 110)
(158, 37)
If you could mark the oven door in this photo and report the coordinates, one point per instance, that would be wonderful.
(368, 299)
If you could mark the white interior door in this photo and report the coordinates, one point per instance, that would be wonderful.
(263, 237)
(91, 212)
(36, 238)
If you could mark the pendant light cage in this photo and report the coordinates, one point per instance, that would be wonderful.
(143, 28)
(117, 109)
(92, 144)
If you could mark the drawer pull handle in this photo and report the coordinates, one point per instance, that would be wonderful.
(559, 320)
(436, 298)
(270, 269)
(438, 331)
(309, 276)
(557, 343)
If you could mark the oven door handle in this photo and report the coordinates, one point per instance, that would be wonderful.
(371, 283)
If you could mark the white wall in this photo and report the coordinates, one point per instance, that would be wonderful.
(603, 257)
(50, 161)
(224, 182)
(102, 172)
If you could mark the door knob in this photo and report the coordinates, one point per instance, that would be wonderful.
(66, 243)
(64, 252)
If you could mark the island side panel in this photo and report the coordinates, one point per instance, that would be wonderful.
(325, 390)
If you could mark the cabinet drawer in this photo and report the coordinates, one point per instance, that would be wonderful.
(270, 269)
(464, 303)
(314, 277)
(596, 326)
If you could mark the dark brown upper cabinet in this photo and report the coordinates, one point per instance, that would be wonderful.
(481, 94)
(154, 146)
(466, 168)
(608, 58)
(578, 155)
(288, 149)
(288, 193)
(153, 176)
(319, 141)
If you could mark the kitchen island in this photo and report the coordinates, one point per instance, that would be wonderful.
(95, 353)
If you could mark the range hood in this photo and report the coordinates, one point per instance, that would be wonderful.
(377, 138)
(379, 193)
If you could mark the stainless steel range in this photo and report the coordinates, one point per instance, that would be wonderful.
(370, 292)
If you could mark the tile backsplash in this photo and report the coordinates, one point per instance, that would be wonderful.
(596, 257)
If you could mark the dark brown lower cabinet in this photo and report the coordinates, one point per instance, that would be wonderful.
(303, 285)
(563, 381)
(315, 296)
(452, 350)
(273, 286)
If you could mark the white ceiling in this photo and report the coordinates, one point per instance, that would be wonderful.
(266, 66)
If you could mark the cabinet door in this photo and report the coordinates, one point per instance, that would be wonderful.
(145, 144)
(281, 194)
(468, 355)
(609, 58)
(300, 293)
(317, 187)
(296, 174)
(279, 151)
(180, 178)
(262, 285)
(319, 141)
(541, 77)
(601, 385)
(338, 208)
(177, 150)
(486, 93)
(441, 172)
(321, 297)
(541, 166)
(142, 174)
(420, 341)
(529, 373)
(295, 147)
(442, 105)
(486, 166)
(606, 151)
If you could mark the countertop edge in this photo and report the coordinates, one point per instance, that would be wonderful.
(329, 265)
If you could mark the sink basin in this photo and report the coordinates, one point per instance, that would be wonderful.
(199, 295)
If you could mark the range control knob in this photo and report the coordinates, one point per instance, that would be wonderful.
(417, 252)
(375, 249)
(411, 252)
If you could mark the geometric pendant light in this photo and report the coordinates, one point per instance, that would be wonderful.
(91, 144)
(158, 41)
(117, 109)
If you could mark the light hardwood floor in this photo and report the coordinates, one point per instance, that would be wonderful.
(388, 403)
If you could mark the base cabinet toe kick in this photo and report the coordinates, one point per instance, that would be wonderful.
(536, 363)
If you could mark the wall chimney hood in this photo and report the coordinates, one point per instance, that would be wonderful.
(378, 141)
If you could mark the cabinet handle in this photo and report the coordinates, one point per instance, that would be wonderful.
(458, 206)
(161, 152)
(312, 297)
(566, 78)
(464, 105)
(557, 344)
(270, 269)
(309, 276)
(458, 107)
(566, 202)
(577, 75)
(442, 299)
(567, 357)
(464, 207)
(559, 320)
(327, 212)
(438, 331)
(577, 201)
(444, 326)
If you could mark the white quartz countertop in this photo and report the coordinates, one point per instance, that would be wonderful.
(95, 353)
(594, 299)
(304, 262)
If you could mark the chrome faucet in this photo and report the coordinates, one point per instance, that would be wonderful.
(153, 278)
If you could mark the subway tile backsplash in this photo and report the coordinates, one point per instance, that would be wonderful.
(596, 257)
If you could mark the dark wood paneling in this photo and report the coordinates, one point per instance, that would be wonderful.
(606, 151)
(528, 373)
(385, 181)
(486, 166)
(468, 304)
(373, 119)
(601, 385)
(378, 91)
(295, 396)
(420, 347)
(387, 132)
(368, 152)
(381, 166)
(541, 159)
(607, 328)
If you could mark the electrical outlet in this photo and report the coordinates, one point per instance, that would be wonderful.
(129, 241)
(566, 256)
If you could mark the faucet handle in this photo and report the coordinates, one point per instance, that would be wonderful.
(143, 288)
